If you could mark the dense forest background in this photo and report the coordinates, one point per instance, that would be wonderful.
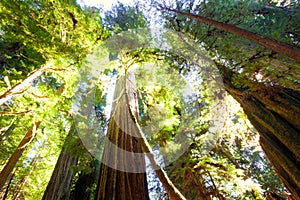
(67, 88)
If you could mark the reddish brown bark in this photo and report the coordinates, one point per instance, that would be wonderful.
(59, 186)
(170, 188)
(275, 112)
(125, 177)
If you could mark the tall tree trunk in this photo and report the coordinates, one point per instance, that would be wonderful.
(10, 165)
(135, 144)
(59, 186)
(275, 112)
(125, 177)
(84, 184)
(277, 46)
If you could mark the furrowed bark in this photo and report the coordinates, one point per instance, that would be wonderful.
(278, 128)
(123, 170)
(171, 189)
(59, 185)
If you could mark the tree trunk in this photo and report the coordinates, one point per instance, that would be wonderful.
(6, 187)
(192, 185)
(275, 112)
(59, 186)
(122, 171)
(170, 188)
(279, 47)
(273, 196)
(84, 184)
(10, 165)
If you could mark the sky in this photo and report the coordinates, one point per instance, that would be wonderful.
(106, 3)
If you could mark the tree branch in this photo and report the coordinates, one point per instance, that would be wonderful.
(20, 86)
(15, 113)
(171, 189)
(12, 161)
(277, 46)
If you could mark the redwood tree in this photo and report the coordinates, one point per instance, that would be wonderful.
(255, 77)
(123, 169)
(274, 111)
(59, 185)
(279, 47)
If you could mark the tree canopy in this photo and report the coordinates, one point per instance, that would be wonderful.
(206, 91)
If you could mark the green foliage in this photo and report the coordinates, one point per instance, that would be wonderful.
(35, 33)
(241, 55)
(123, 17)
(159, 89)
(235, 168)
(58, 34)
(50, 27)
